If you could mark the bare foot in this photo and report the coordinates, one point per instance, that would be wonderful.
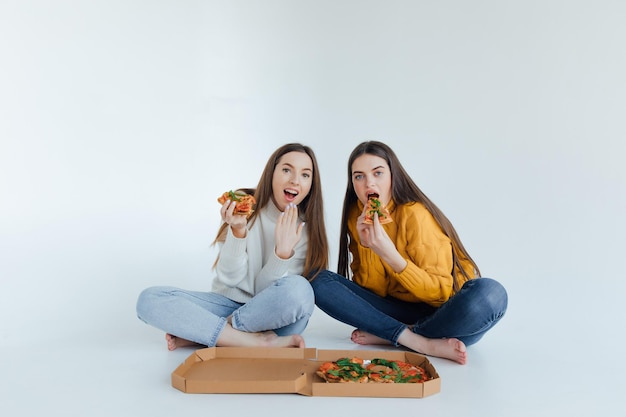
(271, 339)
(362, 337)
(174, 342)
(233, 337)
(452, 349)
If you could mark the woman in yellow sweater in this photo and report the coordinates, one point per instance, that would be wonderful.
(408, 282)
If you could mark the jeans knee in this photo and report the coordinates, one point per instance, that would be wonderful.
(146, 301)
(493, 295)
(142, 302)
(301, 292)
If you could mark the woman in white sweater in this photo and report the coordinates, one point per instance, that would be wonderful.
(261, 295)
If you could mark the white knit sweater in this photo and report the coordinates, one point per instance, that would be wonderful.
(247, 266)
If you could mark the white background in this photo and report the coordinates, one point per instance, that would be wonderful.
(122, 121)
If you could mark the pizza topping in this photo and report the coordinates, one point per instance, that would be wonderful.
(235, 196)
(377, 370)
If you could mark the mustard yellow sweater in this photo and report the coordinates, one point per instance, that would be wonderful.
(427, 277)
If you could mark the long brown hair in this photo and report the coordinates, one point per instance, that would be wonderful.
(403, 191)
(311, 209)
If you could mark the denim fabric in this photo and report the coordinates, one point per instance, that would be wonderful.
(285, 307)
(467, 316)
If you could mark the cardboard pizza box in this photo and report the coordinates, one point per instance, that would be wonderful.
(290, 370)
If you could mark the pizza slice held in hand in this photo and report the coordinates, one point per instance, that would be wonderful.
(246, 203)
(374, 205)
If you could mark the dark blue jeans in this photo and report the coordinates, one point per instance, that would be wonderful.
(467, 316)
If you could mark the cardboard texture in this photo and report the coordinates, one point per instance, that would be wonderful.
(226, 370)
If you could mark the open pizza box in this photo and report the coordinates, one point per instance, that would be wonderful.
(290, 370)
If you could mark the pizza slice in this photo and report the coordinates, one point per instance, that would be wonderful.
(385, 371)
(343, 370)
(246, 203)
(374, 205)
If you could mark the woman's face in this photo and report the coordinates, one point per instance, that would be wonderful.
(371, 175)
(292, 179)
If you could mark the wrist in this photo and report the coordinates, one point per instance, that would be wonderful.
(399, 264)
(238, 231)
(283, 254)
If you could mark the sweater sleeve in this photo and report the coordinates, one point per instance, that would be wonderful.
(276, 268)
(367, 267)
(428, 252)
(232, 265)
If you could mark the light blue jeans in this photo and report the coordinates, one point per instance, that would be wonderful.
(285, 307)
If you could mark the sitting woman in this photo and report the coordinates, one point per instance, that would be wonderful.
(261, 295)
(412, 282)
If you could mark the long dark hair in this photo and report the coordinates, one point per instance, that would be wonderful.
(403, 191)
(311, 208)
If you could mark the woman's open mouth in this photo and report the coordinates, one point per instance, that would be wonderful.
(290, 195)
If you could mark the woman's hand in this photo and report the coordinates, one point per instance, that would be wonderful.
(375, 237)
(288, 231)
(237, 222)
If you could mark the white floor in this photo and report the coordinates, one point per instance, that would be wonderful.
(522, 368)
(120, 122)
